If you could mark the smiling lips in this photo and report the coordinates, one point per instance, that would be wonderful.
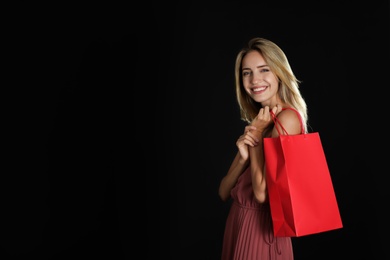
(258, 90)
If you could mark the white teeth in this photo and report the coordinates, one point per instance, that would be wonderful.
(258, 89)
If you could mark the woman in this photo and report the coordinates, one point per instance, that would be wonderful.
(265, 84)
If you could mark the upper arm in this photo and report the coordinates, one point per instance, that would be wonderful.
(290, 122)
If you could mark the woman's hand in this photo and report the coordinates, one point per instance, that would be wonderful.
(264, 119)
(245, 140)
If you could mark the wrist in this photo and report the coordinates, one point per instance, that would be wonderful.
(258, 134)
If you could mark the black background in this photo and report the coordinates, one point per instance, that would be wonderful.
(125, 120)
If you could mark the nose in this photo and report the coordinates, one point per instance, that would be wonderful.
(256, 79)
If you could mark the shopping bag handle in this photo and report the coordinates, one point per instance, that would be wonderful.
(277, 122)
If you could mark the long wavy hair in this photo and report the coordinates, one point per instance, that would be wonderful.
(279, 65)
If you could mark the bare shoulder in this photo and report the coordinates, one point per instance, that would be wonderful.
(290, 121)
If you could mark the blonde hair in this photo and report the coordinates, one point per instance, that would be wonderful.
(279, 65)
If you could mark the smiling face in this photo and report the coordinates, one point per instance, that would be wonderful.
(259, 81)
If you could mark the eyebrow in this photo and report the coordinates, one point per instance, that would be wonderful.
(261, 66)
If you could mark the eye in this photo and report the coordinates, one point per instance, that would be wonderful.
(264, 70)
(245, 73)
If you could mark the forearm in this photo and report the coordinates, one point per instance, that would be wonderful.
(256, 155)
(227, 183)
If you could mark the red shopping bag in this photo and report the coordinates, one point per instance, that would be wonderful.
(300, 189)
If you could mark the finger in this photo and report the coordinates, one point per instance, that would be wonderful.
(275, 109)
(251, 137)
(247, 139)
(246, 142)
(267, 112)
(249, 128)
(250, 143)
(279, 108)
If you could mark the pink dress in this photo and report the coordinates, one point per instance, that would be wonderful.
(248, 231)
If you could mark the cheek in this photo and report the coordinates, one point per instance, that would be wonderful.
(272, 79)
(245, 81)
(246, 87)
(246, 84)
